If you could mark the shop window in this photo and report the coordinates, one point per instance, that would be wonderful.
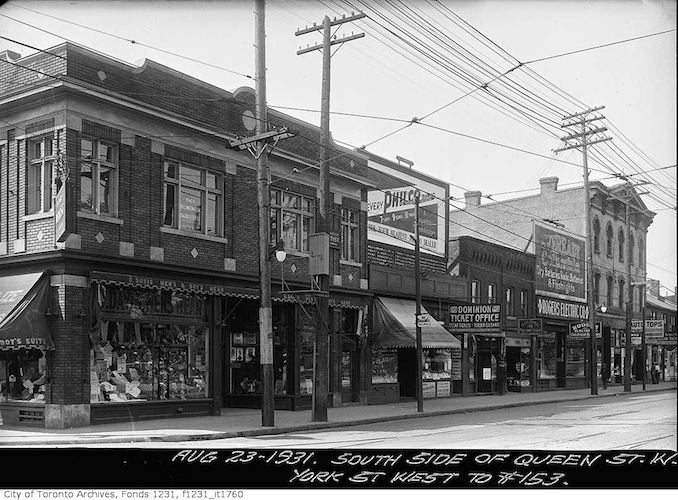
(596, 235)
(509, 301)
(437, 364)
(98, 177)
(547, 357)
(574, 361)
(41, 159)
(475, 292)
(291, 219)
(350, 240)
(193, 199)
(23, 375)
(524, 308)
(384, 367)
(306, 338)
(492, 293)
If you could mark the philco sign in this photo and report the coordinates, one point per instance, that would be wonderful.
(475, 318)
(561, 309)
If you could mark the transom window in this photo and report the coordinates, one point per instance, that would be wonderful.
(193, 199)
(291, 219)
(98, 177)
(350, 249)
(41, 158)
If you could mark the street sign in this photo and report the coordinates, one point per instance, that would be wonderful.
(423, 320)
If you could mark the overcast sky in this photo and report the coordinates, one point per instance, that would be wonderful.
(386, 77)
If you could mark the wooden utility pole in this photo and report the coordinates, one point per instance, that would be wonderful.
(582, 141)
(321, 372)
(258, 146)
(629, 294)
(417, 288)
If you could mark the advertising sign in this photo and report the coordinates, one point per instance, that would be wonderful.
(560, 264)
(654, 328)
(561, 309)
(475, 318)
(63, 225)
(583, 330)
(390, 213)
(532, 326)
(428, 390)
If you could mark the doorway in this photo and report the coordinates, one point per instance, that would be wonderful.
(349, 376)
(487, 356)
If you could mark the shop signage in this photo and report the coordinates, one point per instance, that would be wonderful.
(390, 212)
(561, 309)
(161, 283)
(443, 389)
(63, 224)
(475, 318)
(583, 330)
(560, 263)
(429, 389)
(653, 327)
(531, 326)
(335, 240)
(517, 342)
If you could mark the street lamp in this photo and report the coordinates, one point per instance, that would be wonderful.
(278, 250)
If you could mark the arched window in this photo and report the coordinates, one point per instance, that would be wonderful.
(609, 235)
(596, 235)
(641, 253)
(631, 247)
(622, 242)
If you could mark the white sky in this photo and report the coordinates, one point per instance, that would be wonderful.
(635, 81)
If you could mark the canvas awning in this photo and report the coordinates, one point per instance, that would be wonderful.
(394, 326)
(23, 303)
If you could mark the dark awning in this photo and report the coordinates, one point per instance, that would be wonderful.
(394, 326)
(23, 303)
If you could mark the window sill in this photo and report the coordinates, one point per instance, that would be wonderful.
(188, 234)
(296, 253)
(38, 216)
(350, 263)
(100, 218)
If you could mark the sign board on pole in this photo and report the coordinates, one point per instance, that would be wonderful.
(423, 320)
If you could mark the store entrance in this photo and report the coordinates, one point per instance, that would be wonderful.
(349, 370)
(486, 363)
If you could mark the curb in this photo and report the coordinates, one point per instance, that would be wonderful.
(263, 431)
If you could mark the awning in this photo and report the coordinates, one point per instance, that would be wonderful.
(23, 303)
(394, 326)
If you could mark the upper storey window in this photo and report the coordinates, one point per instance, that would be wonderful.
(41, 158)
(98, 177)
(291, 219)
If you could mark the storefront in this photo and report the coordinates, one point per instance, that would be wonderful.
(394, 361)
(519, 363)
(25, 346)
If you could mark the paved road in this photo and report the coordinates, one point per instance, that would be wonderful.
(646, 421)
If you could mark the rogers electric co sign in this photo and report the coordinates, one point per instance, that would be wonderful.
(561, 309)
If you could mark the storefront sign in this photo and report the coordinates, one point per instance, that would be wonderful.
(560, 263)
(653, 327)
(531, 326)
(517, 342)
(583, 330)
(429, 389)
(335, 239)
(475, 318)
(442, 389)
(561, 309)
(390, 212)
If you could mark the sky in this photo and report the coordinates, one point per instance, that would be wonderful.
(466, 136)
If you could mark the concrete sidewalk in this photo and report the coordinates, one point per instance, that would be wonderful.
(239, 422)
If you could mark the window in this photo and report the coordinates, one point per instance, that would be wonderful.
(492, 293)
(193, 199)
(609, 236)
(509, 301)
(596, 235)
(291, 219)
(475, 292)
(641, 256)
(621, 293)
(350, 248)
(523, 304)
(622, 241)
(41, 158)
(610, 282)
(631, 248)
(98, 177)
(596, 287)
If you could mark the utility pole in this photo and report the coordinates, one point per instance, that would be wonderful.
(321, 372)
(582, 141)
(258, 146)
(417, 288)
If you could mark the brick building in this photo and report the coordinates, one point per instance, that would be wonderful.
(514, 221)
(128, 275)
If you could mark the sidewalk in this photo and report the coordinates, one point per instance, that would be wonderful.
(239, 422)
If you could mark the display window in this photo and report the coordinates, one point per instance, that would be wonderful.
(384, 367)
(23, 375)
(547, 357)
(437, 364)
(575, 359)
(518, 367)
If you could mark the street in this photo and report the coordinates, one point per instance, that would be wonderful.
(628, 422)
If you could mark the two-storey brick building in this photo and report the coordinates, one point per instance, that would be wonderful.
(128, 229)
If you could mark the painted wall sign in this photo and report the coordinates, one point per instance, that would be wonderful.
(475, 318)
(390, 213)
(560, 263)
(561, 309)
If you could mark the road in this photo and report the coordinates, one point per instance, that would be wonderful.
(626, 422)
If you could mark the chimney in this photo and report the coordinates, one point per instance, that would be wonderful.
(548, 184)
(10, 56)
(472, 198)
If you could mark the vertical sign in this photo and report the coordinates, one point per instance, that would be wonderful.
(62, 220)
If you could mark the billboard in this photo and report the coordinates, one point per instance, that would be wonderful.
(390, 213)
(561, 263)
